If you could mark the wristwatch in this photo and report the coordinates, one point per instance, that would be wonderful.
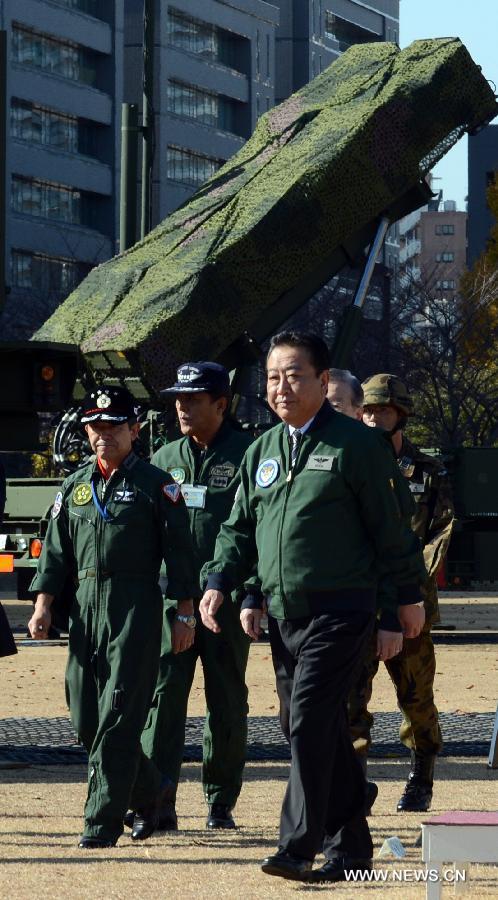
(189, 621)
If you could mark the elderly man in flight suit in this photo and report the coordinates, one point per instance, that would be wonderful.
(205, 463)
(113, 522)
(387, 405)
(317, 511)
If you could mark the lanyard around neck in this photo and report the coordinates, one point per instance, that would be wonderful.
(101, 509)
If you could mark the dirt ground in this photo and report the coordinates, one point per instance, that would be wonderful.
(41, 806)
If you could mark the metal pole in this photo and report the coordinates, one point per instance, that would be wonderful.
(147, 117)
(373, 253)
(349, 328)
(3, 161)
(129, 172)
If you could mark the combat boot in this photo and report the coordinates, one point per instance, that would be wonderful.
(417, 794)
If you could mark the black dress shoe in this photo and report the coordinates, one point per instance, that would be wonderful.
(287, 866)
(220, 816)
(94, 843)
(335, 870)
(147, 820)
(129, 818)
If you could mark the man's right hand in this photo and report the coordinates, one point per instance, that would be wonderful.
(412, 619)
(250, 620)
(41, 619)
(208, 608)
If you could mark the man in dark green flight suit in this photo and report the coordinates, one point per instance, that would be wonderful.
(387, 405)
(205, 463)
(113, 522)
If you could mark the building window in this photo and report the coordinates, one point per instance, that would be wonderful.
(41, 125)
(450, 284)
(209, 109)
(189, 167)
(203, 39)
(57, 202)
(447, 256)
(347, 33)
(46, 274)
(445, 229)
(55, 57)
(268, 61)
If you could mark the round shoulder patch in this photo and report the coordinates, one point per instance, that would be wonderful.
(267, 472)
(82, 494)
(57, 505)
(178, 474)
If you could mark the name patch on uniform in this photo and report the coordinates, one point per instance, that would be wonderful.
(178, 474)
(57, 505)
(218, 480)
(267, 472)
(417, 487)
(194, 495)
(124, 496)
(82, 494)
(224, 470)
(172, 491)
(321, 463)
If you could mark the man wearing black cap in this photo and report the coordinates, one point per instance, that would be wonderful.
(113, 522)
(205, 464)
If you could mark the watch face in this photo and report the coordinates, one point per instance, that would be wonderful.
(189, 621)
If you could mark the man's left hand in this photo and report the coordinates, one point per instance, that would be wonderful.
(389, 644)
(208, 608)
(412, 619)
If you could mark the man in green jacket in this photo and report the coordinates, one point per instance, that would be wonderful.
(113, 522)
(205, 463)
(318, 514)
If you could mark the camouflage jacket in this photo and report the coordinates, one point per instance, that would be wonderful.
(432, 521)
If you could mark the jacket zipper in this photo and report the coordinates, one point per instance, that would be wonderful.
(288, 486)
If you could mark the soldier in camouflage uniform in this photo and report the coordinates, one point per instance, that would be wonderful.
(387, 405)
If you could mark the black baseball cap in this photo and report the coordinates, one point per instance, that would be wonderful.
(109, 404)
(194, 377)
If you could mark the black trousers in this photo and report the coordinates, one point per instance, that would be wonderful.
(316, 661)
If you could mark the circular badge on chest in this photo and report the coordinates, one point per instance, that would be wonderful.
(178, 474)
(82, 494)
(267, 472)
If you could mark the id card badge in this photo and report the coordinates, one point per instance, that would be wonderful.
(194, 495)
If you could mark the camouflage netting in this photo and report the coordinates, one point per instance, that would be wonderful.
(317, 169)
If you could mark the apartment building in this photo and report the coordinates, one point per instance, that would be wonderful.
(64, 65)
(214, 70)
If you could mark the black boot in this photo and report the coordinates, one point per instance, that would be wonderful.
(220, 816)
(417, 794)
(372, 790)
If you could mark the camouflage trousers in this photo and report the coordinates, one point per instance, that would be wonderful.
(412, 673)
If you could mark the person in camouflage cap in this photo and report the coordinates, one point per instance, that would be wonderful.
(388, 405)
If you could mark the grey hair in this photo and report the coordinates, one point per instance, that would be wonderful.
(347, 377)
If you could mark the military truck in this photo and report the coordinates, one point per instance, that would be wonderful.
(321, 179)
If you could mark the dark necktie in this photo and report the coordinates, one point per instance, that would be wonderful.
(296, 440)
